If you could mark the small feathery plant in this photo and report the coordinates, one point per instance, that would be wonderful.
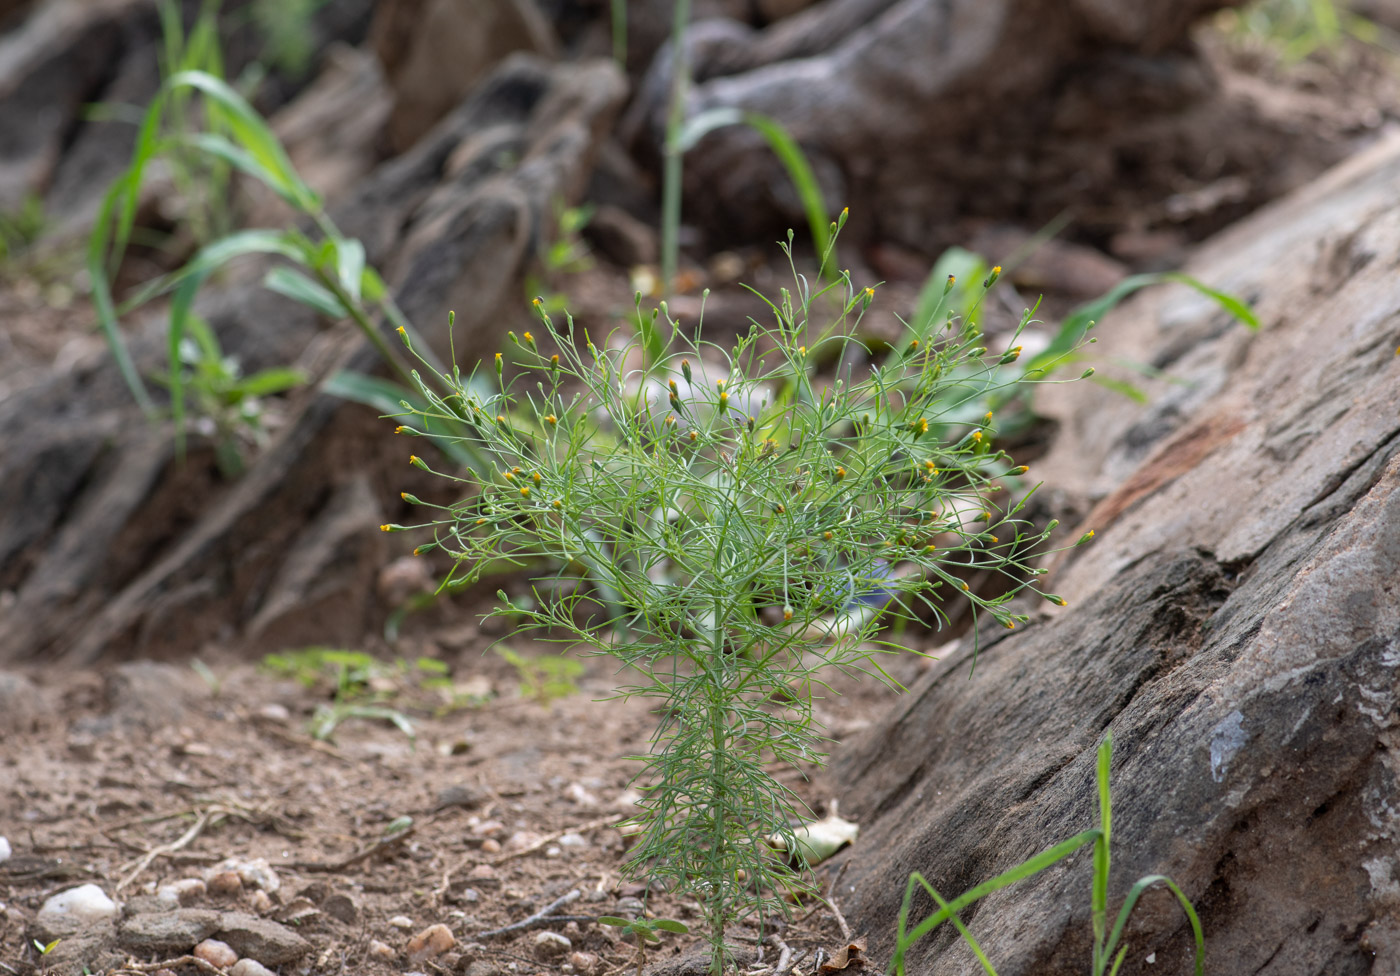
(756, 524)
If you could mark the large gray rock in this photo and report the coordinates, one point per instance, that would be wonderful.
(1236, 624)
(913, 112)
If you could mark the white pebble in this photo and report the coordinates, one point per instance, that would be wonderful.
(4, 850)
(84, 904)
(401, 922)
(250, 967)
(573, 840)
(381, 951)
(186, 891)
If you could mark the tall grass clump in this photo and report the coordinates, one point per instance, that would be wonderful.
(756, 522)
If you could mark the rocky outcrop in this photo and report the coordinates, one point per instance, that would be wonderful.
(916, 112)
(120, 550)
(1236, 624)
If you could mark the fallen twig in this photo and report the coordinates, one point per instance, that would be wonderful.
(144, 861)
(544, 917)
(149, 967)
(831, 903)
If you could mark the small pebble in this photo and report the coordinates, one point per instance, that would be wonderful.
(482, 872)
(185, 892)
(381, 951)
(553, 850)
(573, 840)
(274, 712)
(250, 967)
(521, 840)
(262, 902)
(490, 846)
(432, 941)
(469, 895)
(586, 963)
(252, 872)
(216, 953)
(577, 793)
(4, 850)
(341, 907)
(401, 922)
(551, 946)
(461, 795)
(224, 884)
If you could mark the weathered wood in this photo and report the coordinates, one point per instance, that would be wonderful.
(1236, 624)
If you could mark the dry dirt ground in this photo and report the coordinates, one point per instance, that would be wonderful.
(138, 776)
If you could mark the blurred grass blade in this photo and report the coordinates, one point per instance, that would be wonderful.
(388, 397)
(102, 298)
(268, 382)
(1237, 308)
(253, 134)
(298, 287)
(799, 170)
(350, 265)
(789, 153)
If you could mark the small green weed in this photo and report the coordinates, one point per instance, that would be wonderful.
(1298, 29)
(644, 930)
(1109, 953)
(545, 678)
(361, 686)
(229, 405)
(21, 229)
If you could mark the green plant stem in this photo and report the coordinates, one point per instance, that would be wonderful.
(674, 153)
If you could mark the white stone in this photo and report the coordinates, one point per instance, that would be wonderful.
(84, 905)
(4, 850)
(551, 946)
(401, 922)
(250, 967)
(254, 873)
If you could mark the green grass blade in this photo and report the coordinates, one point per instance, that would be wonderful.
(299, 288)
(1123, 387)
(789, 153)
(962, 930)
(102, 298)
(268, 382)
(1131, 902)
(1024, 870)
(1099, 905)
(619, 32)
(252, 133)
(180, 305)
(799, 170)
(219, 147)
(387, 397)
(1237, 308)
(350, 265)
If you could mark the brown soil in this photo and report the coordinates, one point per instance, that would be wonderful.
(109, 771)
